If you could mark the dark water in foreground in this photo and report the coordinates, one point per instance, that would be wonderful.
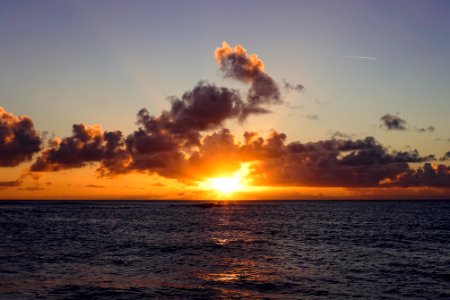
(283, 250)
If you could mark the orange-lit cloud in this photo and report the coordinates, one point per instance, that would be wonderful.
(237, 64)
(18, 139)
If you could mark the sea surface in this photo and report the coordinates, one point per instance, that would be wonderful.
(251, 250)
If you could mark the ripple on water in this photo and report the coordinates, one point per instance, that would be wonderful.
(279, 250)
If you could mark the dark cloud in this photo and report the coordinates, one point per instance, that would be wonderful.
(88, 144)
(95, 186)
(159, 144)
(237, 64)
(153, 149)
(392, 122)
(292, 86)
(180, 143)
(428, 175)
(11, 183)
(339, 135)
(446, 156)
(18, 139)
(205, 107)
(340, 163)
(32, 188)
(428, 129)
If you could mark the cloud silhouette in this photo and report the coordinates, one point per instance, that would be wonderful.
(339, 135)
(18, 139)
(428, 129)
(392, 122)
(8, 184)
(446, 156)
(95, 186)
(428, 175)
(340, 163)
(292, 87)
(333, 163)
(181, 143)
(88, 144)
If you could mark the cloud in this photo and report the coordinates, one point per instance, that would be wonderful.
(11, 183)
(392, 122)
(18, 139)
(292, 87)
(95, 186)
(88, 144)
(205, 107)
(361, 57)
(160, 142)
(237, 64)
(339, 135)
(188, 142)
(446, 156)
(333, 163)
(312, 116)
(32, 188)
(428, 129)
(428, 175)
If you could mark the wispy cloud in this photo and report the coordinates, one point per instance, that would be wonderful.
(361, 57)
(311, 116)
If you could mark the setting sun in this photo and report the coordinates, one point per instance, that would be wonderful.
(227, 185)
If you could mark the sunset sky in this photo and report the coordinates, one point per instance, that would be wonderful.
(144, 100)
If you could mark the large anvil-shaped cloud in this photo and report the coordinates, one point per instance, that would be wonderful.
(18, 139)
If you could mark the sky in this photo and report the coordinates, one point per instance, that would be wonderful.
(143, 100)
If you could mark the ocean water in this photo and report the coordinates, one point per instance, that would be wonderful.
(252, 250)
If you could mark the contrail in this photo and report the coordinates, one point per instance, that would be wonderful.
(361, 57)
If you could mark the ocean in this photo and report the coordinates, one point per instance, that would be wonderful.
(250, 250)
